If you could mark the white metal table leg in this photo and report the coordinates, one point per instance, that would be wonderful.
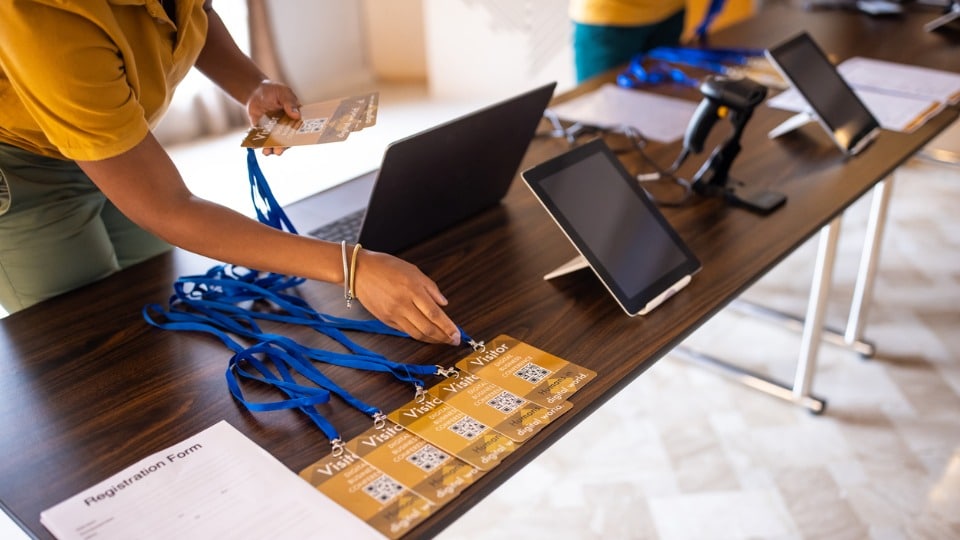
(800, 392)
(863, 290)
(816, 309)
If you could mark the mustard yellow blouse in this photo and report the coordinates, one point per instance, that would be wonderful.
(623, 12)
(87, 79)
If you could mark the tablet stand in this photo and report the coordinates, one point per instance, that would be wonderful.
(794, 122)
(574, 264)
(952, 15)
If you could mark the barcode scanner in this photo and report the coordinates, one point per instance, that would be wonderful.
(722, 96)
(734, 99)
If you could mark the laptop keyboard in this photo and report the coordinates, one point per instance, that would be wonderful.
(346, 228)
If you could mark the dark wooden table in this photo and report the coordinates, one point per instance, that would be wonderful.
(89, 388)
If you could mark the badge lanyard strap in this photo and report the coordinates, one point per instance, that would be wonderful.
(289, 360)
(204, 319)
(268, 209)
(288, 351)
(271, 289)
(301, 397)
(286, 356)
(226, 294)
(212, 295)
(714, 9)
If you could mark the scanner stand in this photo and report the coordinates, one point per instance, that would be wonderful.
(713, 180)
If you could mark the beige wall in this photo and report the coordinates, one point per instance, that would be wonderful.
(394, 37)
(329, 46)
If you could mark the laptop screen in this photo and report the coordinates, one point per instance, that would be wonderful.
(441, 176)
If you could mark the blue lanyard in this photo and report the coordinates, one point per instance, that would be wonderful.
(658, 68)
(714, 9)
(268, 209)
(713, 59)
(637, 75)
(301, 397)
(212, 303)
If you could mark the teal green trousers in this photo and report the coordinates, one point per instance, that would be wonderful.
(58, 231)
(598, 48)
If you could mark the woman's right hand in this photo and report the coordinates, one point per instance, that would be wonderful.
(400, 295)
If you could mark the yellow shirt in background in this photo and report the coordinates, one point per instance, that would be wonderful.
(87, 79)
(623, 12)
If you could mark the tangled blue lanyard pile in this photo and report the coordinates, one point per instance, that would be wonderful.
(214, 303)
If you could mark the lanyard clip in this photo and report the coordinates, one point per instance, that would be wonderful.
(379, 420)
(478, 346)
(337, 446)
(421, 395)
(448, 372)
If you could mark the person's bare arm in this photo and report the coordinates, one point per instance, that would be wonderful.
(222, 61)
(146, 186)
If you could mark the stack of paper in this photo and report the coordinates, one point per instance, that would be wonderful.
(657, 117)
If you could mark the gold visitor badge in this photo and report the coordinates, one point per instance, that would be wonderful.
(509, 414)
(526, 371)
(431, 472)
(370, 494)
(453, 431)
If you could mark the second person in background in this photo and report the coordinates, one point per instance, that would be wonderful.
(608, 33)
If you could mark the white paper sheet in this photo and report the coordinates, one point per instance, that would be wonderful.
(659, 118)
(216, 484)
(901, 79)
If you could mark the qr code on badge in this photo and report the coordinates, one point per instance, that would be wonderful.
(467, 428)
(427, 458)
(532, 373)
(506, 402)
(311, 125)
(383, 488)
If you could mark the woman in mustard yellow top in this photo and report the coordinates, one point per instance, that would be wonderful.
(86, 189)
(608, 33)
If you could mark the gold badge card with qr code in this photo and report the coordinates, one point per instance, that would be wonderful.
(373, 496)
(323, 122)
(453, 431)
(530, 373)
(428, 470)
(489, 403)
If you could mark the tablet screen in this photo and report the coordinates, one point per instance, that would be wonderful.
(612, 223)
(834, 103)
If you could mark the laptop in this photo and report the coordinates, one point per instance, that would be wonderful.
(429, 181)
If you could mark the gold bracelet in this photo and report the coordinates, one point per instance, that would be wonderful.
(353, 271)
(346, 273)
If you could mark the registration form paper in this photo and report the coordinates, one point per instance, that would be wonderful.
(216, 484)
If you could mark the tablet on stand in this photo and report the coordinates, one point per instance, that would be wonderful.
(611, 221)
(833, 103)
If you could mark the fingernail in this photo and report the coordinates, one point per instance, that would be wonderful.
(455, 338)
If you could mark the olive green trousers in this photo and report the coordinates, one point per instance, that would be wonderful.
(58, 231)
